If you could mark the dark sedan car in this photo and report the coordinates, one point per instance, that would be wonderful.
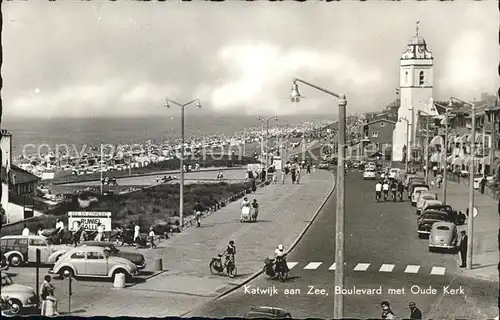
(453, 214)
(134, 257)
(427, 219)
(267, 313)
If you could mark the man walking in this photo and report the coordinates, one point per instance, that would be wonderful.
(100, 232)
(462, 249)
(415, 312)
(198, 209)
(137, 231)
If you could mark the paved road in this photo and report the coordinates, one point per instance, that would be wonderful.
(233, 174)
(187, 283)
(376, 234)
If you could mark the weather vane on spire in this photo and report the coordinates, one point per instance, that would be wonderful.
(418, 29)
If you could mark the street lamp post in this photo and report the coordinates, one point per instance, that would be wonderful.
(426, 145)
(181, 190)
(444, 150)
(338, 304)
(412, 140)
(470, 218)
(266, 121)
(407, 140)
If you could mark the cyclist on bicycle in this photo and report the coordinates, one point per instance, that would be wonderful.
(280, 256)
(385, 188)
(378, 190)
(229, 254)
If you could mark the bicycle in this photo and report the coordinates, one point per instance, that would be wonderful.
(217, 267)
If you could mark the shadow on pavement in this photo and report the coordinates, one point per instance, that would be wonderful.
(480, 266)
(244, 275)
(72, 312)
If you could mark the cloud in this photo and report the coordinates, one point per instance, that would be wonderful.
(260, 69)
(126, 57)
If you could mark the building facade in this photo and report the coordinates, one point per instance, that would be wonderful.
(377, 136)
(416, 89)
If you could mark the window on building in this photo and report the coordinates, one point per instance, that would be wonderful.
(382, 124)
(421, 78)
(374, 134)
(406, 77)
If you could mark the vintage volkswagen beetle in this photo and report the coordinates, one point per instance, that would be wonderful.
(443, 235)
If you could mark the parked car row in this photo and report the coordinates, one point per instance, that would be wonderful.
(18, 250)
(436, 220)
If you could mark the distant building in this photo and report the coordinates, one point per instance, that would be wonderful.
(377, 135)
(23, 183)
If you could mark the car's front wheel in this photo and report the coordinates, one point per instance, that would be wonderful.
(15, 260)
(14, 309)
(66, 271)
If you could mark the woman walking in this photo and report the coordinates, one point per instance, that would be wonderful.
(255, 210)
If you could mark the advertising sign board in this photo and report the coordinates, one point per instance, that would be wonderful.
(89, 219)
(277, 163)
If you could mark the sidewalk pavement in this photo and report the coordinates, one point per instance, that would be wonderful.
(486, 225)
(285, 211)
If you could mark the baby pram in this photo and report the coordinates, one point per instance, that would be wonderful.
(245, 214)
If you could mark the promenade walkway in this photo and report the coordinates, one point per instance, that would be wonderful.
(285, 211)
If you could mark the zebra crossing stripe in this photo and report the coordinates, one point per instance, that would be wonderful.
(313, 265)
(412, 269)
(387, 268)
(332, 267)
(438, 271)
(361, 267)
(291, 264)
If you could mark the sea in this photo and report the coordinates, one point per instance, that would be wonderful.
(31, 133)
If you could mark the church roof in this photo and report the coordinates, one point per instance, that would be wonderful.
(418, 40)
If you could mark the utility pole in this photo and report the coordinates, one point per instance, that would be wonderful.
(470, 219)
(102, 157)
(444, 154)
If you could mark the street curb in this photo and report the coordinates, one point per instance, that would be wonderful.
(474, 276)
(258, 273)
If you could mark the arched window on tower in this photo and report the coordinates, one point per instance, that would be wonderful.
(406, 77)
(421, 78)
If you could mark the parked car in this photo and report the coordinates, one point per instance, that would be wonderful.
(369, 174)
(22, 249)
(134, 257)
(371, 165)
(431, 203)
(19, 296)
(394, 173)
(453, 214)
(422, 197)
(427, 219)
(323, 165)
(267, 313)
(87, 261)
(416, 193)
(477, 181)
(444, 235)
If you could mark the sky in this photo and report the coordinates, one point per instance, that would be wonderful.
(98, 59)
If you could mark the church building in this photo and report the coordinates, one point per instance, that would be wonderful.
(416, 85)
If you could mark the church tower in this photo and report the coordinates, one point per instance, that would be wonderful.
(416, 84)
